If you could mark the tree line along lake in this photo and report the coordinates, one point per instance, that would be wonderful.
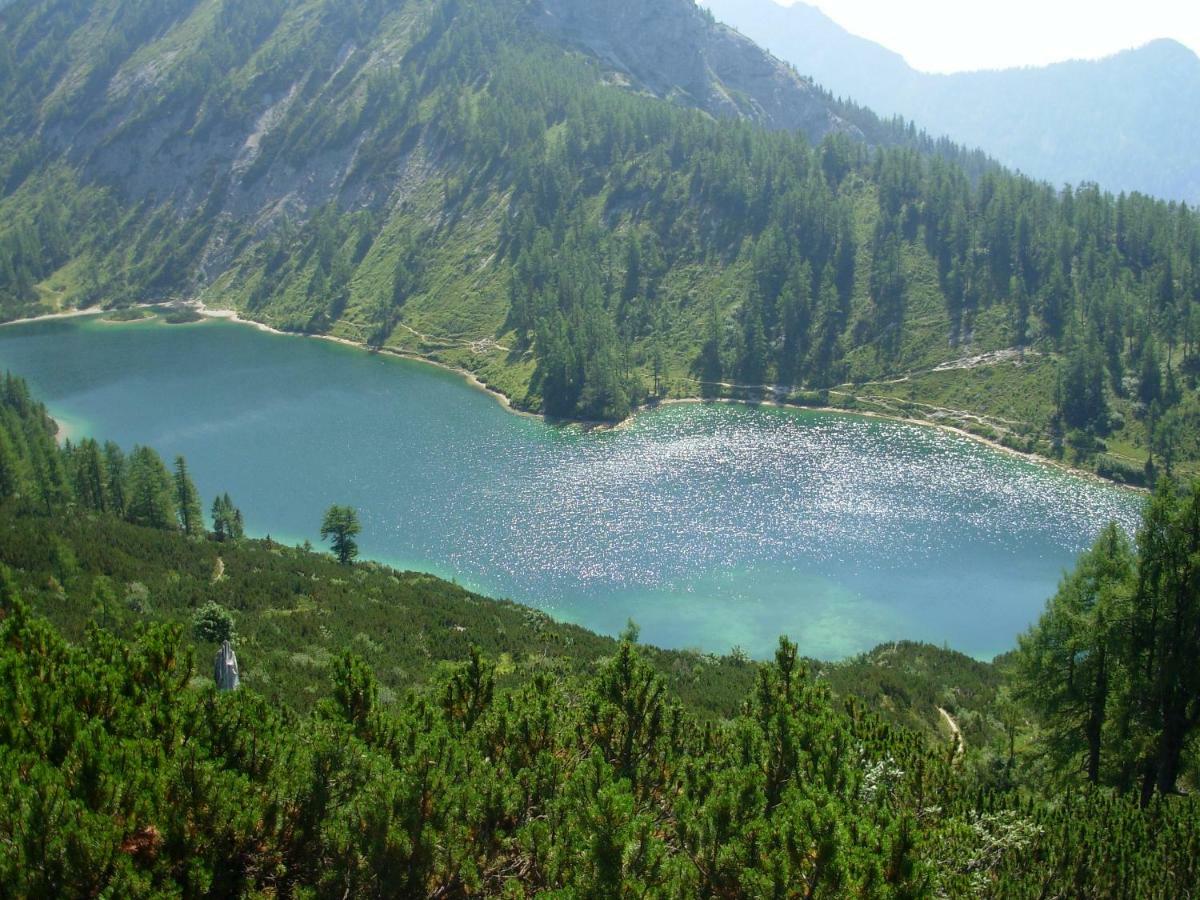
(711, 525)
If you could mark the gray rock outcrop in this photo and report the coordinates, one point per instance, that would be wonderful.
(225, 668)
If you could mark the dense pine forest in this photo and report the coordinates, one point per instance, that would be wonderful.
(456, 179)
(397, 735)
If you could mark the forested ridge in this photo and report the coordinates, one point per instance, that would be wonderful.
(449, 178)
(396, 735)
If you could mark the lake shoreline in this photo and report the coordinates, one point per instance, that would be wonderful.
(232, 315)
(710, 526)
(506, 402)
(904, 420)
(50, 317)
(88, 311)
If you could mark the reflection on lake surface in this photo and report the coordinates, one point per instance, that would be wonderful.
(711, 525)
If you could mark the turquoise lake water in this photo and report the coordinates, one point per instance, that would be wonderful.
(711, 525)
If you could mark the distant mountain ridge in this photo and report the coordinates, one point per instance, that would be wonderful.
(1129, 122)
(672, 50)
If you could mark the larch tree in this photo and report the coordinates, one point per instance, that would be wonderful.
(152, 499)
(1069, 664)
(227, 519)
(1164, 635)
(187, 500)
(340, 526)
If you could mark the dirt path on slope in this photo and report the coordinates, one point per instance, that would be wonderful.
(956, 733)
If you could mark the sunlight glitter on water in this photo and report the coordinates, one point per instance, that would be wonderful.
(711, 525)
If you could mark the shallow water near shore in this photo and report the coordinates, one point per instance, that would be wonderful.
(710, 525)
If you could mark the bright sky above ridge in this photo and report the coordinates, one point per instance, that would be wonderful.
(962, 35)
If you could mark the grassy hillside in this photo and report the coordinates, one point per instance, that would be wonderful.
(296, 611)
(907, 683)
(554, 761)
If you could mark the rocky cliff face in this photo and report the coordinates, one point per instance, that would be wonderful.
(131, 122)
(140, 129)
(673, 50)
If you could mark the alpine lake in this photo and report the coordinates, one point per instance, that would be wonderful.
(711, 525)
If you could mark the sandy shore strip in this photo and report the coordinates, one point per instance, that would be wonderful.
(50, 317)
(89, 311)
(66, 431)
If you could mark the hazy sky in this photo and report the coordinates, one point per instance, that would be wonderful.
(957, 35)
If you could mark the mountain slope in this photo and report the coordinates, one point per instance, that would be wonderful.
(1128, 122)
(503, 186)
(171, 101)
